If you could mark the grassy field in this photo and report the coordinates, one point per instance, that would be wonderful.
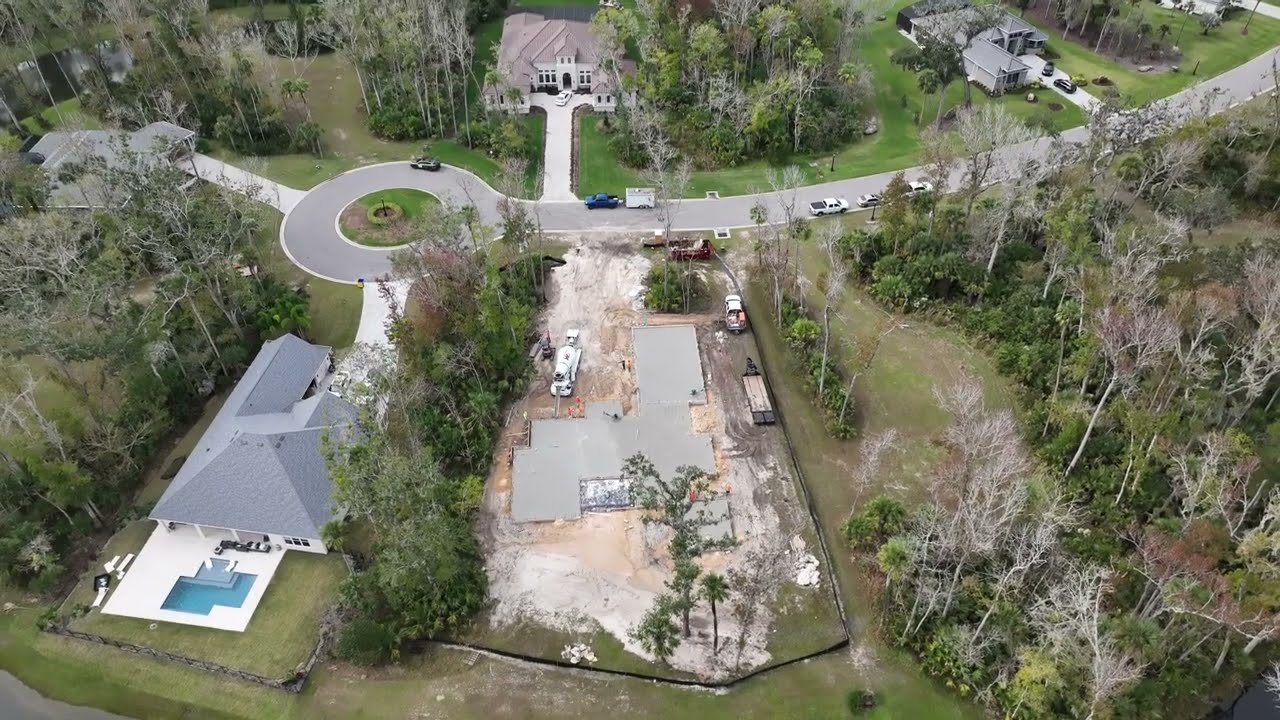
(413, 203)
(281, 635)
(1222, 49)
(335, 307)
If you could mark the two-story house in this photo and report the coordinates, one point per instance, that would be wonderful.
(991, 58)
(550, 56)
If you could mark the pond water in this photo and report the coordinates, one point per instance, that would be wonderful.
(1255, 704)
(20, 702)
(27, 87)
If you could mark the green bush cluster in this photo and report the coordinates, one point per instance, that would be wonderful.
(384, 213)
(674, 287)
(803, 336)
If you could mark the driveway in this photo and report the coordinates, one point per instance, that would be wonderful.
(557, 160)
(280, 197)
(1204, 6)
(1079, 97)
(310, 235)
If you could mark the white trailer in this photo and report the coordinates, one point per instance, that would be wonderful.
(641, 197)
(567, 359)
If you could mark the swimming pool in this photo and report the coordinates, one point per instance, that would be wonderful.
(198, 594)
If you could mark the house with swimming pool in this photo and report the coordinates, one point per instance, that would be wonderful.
(255, 487)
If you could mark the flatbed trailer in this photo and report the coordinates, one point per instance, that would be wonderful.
(758, 395)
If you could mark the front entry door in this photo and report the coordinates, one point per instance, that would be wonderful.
(567, 81)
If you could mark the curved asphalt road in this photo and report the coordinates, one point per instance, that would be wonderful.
(311, 238)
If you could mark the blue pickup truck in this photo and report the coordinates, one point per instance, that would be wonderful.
(601, 200)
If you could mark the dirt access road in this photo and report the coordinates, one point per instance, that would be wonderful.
(600, 573)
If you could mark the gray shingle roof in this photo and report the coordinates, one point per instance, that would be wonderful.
(260, 466)
(993, 59)
(112, 147)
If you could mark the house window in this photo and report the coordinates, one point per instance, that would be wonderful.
(546, 77)
(608, 98)
(299, 542)
(584, 77)
(597, 99)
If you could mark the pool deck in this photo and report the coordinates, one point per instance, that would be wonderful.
(171, 554)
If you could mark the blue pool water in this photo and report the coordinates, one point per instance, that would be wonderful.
(208, 587)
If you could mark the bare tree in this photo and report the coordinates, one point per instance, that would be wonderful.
(834, 280)
(1071, 616)
(983, 134)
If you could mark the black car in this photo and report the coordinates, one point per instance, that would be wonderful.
(423, 163)
(1048, 69)
(1065, 85)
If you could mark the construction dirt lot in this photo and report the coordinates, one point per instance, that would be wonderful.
(574, 579)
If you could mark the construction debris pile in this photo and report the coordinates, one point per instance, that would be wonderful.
(601, 494)
(806, 565)
(578, 652)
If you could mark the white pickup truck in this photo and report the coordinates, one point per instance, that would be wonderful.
(829, 206)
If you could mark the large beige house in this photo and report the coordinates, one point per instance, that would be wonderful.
(549, 56)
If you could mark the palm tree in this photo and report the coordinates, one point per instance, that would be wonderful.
(297, 86)
(714, 590)
(1164, 31)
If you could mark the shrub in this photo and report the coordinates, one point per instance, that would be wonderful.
(1080, 80)
(803, 333)
(365, 641)
(860, 701)
(666, 288)
(384, 213)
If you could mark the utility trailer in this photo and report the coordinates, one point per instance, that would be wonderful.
(642, 198)
(757, 395)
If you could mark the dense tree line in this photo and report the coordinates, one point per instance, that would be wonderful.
(749, 79)
(130, 317)
(1110, 552)
(418, 479)
(188, 67)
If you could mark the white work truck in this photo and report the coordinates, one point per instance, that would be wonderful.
(828, 206)
(641, 198)
(567, 359)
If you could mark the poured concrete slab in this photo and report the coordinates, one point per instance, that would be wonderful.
(563, 452)
(668, 370)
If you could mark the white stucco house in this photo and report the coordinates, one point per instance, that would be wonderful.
(258, 473)
(549, 56)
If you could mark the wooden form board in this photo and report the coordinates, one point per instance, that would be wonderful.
(758, 400)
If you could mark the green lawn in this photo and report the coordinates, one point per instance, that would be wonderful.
(64, 115)
(281, 635)
(335, 307)
(335, 103)
(1215, 53)
(412, 203)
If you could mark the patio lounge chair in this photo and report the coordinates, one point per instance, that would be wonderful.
(97, 601)
(112, 565)
(124, 564)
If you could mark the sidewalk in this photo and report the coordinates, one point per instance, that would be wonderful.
(281, 197)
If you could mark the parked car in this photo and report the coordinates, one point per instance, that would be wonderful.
(600, 200)
(563, 98)
(828, 206)
(1065, 85)
(918, 187)
(1048, 70)
(868, 200)
(425, 163)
